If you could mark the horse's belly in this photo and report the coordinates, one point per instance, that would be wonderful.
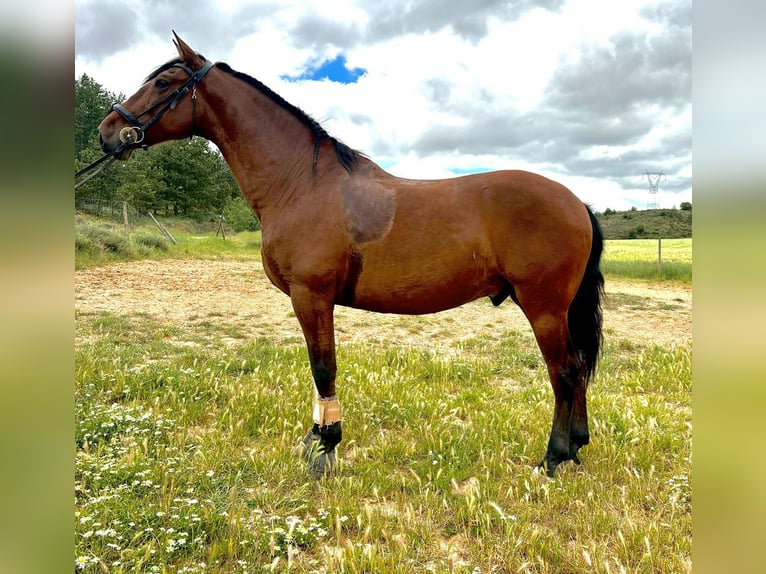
(427, 295)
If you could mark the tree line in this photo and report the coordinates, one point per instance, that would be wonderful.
(183, 178)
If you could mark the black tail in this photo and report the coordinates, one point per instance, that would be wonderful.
(585, 311)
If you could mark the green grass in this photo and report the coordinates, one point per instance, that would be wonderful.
(184, 459)
(637, 259)
(101, 242)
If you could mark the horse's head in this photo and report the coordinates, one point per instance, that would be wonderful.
(164, 108)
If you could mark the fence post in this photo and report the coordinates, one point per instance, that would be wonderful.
(220, 229)
(659, 257)
(164, 231)
(125, 218)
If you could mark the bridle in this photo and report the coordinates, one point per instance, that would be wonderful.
(134, 134)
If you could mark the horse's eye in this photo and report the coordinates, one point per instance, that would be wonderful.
(161, 84)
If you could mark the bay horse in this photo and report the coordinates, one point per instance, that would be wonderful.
(339, 230)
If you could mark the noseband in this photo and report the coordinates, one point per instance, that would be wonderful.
(135, 134)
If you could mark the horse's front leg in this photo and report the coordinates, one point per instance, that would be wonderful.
(315, 314)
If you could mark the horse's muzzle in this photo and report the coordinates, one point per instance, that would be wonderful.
(107, 146)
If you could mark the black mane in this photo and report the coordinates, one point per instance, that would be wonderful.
(346, 156)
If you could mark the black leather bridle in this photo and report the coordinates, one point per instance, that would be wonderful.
(134, 134)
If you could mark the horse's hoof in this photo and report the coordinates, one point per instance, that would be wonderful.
(539, 473)
(307, 445)
(549, 466)
(574, 449)
(547, 469)
(321, 464)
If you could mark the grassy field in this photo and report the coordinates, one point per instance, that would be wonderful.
(638, 258)
(101, 242)
(184, 462)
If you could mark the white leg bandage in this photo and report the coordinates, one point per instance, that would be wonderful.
(326, 411)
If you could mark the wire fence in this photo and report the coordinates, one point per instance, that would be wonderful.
(116, 210)
(121, 212)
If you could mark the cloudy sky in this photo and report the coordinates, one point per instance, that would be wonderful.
(592, 93)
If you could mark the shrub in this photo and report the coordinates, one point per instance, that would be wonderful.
(240, 217)
(98, 243)
(151, 241)
(102, 239)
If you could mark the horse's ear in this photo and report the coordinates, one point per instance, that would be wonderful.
(189, 56)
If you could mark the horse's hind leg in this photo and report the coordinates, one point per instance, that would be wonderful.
(579, 435)
(564, 370)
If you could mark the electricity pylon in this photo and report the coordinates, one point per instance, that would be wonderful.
(654, 178)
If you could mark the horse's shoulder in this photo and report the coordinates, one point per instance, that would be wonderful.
(368, 208)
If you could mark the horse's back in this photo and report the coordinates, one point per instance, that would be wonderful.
(512, 212)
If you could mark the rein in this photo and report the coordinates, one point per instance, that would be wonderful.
(134, 134)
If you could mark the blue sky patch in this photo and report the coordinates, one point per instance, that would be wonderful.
(335, 70)
(469, 170)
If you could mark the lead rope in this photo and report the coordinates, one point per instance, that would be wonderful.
(95, 173)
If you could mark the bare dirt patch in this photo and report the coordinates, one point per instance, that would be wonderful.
(232, 292)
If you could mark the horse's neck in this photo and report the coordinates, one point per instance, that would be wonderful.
(269, 150)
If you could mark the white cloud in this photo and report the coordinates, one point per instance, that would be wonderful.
(267, 54)
(588, 92)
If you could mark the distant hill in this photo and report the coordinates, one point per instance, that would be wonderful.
(646, 224)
